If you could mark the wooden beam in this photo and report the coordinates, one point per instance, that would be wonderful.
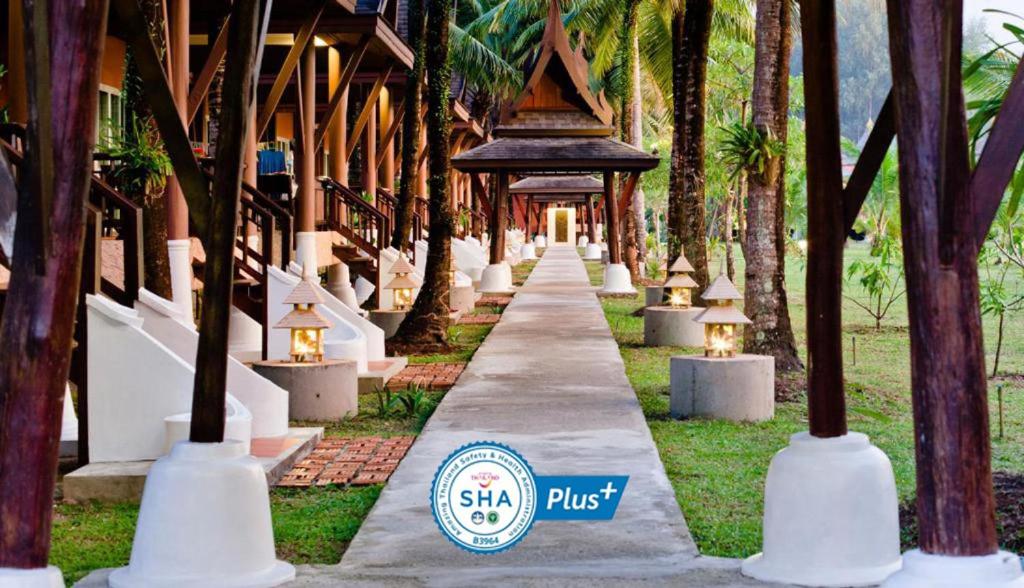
(334, 106)
(208, 397)
(368, 109)
(591, 219)
(499, 219)
(389, 134)
(157, 91)
(826, 397)
(998, 159)
(481, 191)
(627, 192)
(302, 38)
(955, 500)
(614, 242)
(201, 87)
(868, 164)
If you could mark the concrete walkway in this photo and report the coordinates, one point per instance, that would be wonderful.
(549, 382)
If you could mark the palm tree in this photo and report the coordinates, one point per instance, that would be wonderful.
(765, 289)
(691, 35)
(427, 323)
(411, 127)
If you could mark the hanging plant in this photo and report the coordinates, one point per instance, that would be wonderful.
(749, 149)
(143, 165)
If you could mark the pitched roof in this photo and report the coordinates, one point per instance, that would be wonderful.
(567, 154)
(303, 318)
(721, 289)
(680, 281)
(557, 62)
(575, 184)
(723, 315)
(681, 264)
(304, 293)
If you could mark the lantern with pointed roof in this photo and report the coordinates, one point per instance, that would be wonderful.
(679, 284)
(720, 318)
(305, 323)
(403, 283)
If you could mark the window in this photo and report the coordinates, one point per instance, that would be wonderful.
(111, 116)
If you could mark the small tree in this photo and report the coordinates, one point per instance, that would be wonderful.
(881, 278)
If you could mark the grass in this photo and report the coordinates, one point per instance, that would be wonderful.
(311, 525)
(718, 468)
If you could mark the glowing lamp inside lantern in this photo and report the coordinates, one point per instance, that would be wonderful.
(403, 284)
(679, 284)
(305, 325)
(721, 318)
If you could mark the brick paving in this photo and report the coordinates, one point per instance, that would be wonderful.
(501, 301)
(342, 461)
(480, 319)
(429, 376)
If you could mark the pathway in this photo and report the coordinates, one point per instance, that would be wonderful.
(549, 382)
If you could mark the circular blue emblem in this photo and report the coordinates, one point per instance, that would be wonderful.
(484, 497)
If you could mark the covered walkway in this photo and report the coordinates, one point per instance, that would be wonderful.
(549, 382)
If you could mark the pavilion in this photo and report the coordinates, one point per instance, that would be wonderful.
(558, 126)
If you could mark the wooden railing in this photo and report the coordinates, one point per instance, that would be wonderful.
(120, 218)
(355, 219)
(387, 202)
(282, 220)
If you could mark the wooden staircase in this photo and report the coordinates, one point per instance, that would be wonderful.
(365, 230)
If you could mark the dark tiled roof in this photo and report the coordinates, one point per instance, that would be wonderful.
(402, 26)
(580, 184)
(566, 154)
(370, 6)
(543, 121)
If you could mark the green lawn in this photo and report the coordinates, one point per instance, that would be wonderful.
(718, 468)
(311, 525)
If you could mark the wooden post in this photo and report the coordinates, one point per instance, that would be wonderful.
(387, 163)
(955, 504)
(306, 171)
(39, 313)
(15, 83)
(499, 218)
(337, 132)
(529, 217)
(177, 208)
(826, 231)
(208, 398)
(591, 220)
(612, 208)
(369, 169)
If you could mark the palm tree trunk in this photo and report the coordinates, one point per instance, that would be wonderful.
(691, 34)
(411, 127)
(639, 201)
(730, 258)
(156, 265)
(630, 238)
(765, 288)
(427, 323)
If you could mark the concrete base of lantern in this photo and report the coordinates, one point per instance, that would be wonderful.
(388, 320)
(204, 521)
(653, 295)
(740, 388)
(326, 391)
(497, 279)
(582, 242)
(617, 280)
(527, 251)
(592, 252)
(540, 241)
(48, 577)
(665, 326)
(830, 515)
(924, 570)
(463, 298)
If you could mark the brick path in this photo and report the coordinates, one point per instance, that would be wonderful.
(501, 301)
(359, 461)
(429, 376)
(480, 319)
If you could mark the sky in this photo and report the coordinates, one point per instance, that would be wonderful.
(994, 22)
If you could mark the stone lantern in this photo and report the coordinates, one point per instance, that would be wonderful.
(403, 284)
(306, 325)
(720, 318)
(678, 286)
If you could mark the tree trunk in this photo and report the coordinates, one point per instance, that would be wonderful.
(730, 258)
(687, 233)
(999, 345)
(427, 323)
(765, 287)
(411, 127)
(639, 202)
(955, 503)
(156, 266)
(38, 318)
(632, 239)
